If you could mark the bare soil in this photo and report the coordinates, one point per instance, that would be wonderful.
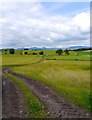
(13, 105)
(56, 105)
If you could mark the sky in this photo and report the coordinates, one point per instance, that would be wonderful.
(44, 24)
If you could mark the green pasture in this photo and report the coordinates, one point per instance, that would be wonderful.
(87, 52)
(70, 57)
(73, 55)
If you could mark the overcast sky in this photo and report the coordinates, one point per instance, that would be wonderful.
(44, 24)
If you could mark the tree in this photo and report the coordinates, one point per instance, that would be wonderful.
(59, 51)
(4, 51)
(25, 52)
(11, 51)
(66, 52)
(41, 53)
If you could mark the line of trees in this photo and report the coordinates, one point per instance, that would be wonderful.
(81, 49)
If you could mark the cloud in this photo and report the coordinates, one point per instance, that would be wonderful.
(30, 24)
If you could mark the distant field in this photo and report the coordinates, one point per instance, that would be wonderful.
(80, 55)
(65, 75)
(70, 57)
(9, 60)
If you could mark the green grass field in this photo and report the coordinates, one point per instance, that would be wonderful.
(70, 57)
(65, 75)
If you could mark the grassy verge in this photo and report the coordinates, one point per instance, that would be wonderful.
(35, 107)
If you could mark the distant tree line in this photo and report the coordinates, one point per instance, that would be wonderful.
(81, 49)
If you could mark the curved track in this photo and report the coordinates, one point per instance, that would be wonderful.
(56, 105)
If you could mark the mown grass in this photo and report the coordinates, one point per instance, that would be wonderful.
(70, 57)
(86, 52)
(70, 78)
(35, 107)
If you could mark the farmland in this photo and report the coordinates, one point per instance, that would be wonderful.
(68, 78)
(67, 75)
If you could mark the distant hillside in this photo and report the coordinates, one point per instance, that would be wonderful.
(37, 48)
(45, 48)
(77, 47)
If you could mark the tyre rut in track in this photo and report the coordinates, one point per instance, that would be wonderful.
(13, 105)
(56, 105)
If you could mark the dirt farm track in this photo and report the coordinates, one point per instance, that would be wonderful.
(56, 106)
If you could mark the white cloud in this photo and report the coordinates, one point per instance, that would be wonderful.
(29, 24)
(82, 21)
